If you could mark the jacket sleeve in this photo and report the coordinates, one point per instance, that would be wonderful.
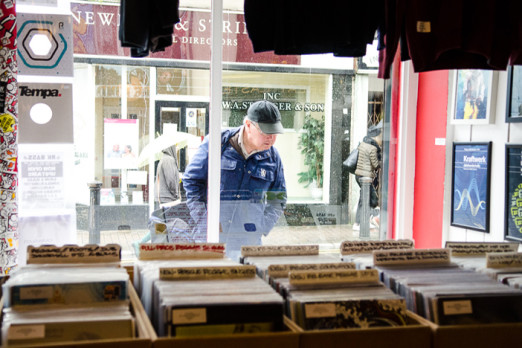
(374, 159)
(195, 185)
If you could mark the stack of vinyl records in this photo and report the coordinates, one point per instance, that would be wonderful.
(340, 298)
(57, 303)
(214, 307)
(451, 295)
(146, 273)
(347, 307)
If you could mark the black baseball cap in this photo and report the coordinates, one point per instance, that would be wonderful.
(267, 116)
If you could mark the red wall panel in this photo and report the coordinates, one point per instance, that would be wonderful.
(430, 159)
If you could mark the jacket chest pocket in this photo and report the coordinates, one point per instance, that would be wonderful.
(263, 176)
(229, 171)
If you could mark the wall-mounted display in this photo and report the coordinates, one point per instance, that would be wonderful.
(472, 103)
(470, 186)
(513, 195)
(514, 94)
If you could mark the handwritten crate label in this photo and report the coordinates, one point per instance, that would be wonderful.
(189, 316)
(503, 260)
(320, 310)
(281, 271)
(73, 254)
(36, 292)
(219, 272)
(410, 257)
(24, 332)
(479, 248)
(457, 307)
(281, 250)
(167, 251)
(361, 247)
(333, 277)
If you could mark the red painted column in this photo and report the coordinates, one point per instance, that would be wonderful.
(432, 105)
(393, 135)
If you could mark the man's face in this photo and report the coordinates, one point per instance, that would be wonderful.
(259, 140)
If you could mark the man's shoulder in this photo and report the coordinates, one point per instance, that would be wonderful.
(227, 133)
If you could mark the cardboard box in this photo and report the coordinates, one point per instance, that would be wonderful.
(414, 335)
(143, 332)
(283, 339)
(475, 335)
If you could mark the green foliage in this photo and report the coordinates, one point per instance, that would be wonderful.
(311, 144)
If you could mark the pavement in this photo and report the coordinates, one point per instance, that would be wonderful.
(328, 237)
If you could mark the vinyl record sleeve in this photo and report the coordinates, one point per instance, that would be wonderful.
(352, 314)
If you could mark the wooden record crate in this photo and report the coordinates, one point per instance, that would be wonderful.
(144, 331)
(414, 335)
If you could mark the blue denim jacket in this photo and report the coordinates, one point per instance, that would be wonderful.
(253, 193)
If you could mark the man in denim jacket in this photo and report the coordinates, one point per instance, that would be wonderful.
(253, 189)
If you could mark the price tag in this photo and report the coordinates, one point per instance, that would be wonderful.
(207, 273)
(361, 247)
(279, 250)
(167, 251)
(73, 254)
(411, 257)
(298, 278)
(503, 260)
(479, 248)
(281, 271)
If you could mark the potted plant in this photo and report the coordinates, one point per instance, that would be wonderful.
(311, 144)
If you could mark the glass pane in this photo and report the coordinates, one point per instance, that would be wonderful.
(317, 201)
(128, 116)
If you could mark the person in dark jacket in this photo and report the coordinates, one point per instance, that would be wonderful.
(253, 188)
(368, 162)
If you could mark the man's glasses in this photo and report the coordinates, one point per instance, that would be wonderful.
(259, 129)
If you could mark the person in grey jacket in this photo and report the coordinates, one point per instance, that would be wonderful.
(368, 162)
(167, 180)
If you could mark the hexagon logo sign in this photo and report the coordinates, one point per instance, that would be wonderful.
(45, 44)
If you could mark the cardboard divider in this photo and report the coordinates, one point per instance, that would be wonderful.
(475, 335)
(414, 335)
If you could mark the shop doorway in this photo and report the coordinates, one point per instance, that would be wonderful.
(187, 117)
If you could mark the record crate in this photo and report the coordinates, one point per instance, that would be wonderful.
(288, 338)
(143, 328)
(475, 335)
(416, 334)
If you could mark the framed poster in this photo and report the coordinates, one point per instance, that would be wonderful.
(514, 94)
(121, 141)
(513, 195)
(470, 186)
(472, 102)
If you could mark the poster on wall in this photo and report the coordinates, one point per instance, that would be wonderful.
(514, 94)
(42, 179)
(473, 97)
(121, 140)
(470, 186)
(513, 195)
